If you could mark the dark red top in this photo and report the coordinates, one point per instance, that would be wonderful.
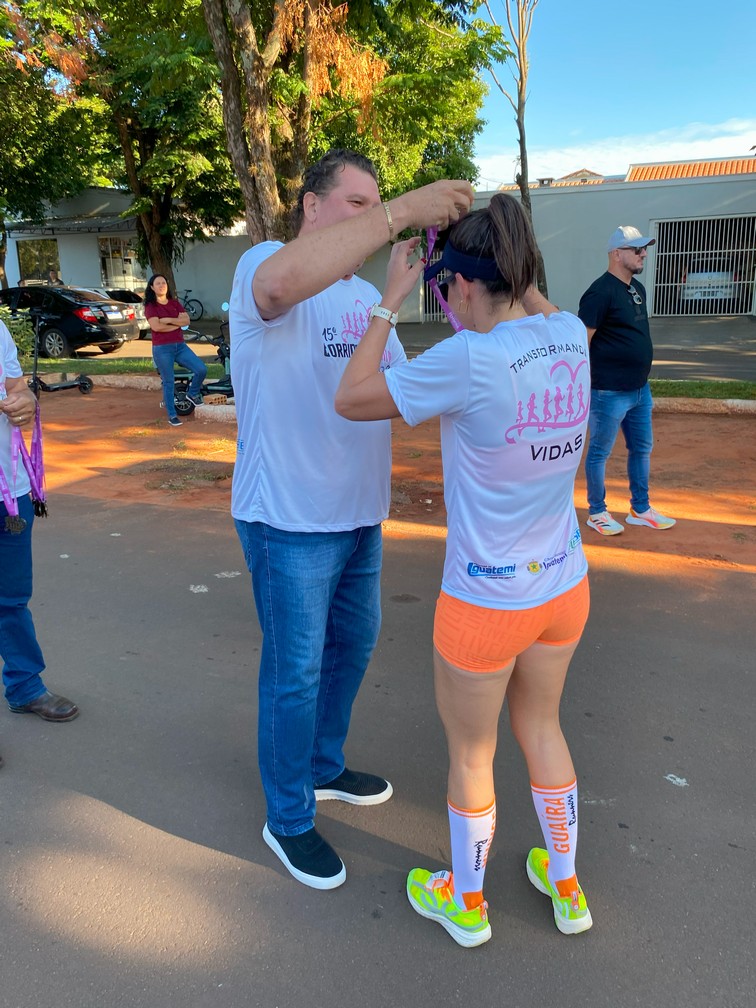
(171, 309)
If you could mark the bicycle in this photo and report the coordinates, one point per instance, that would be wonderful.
(194, 307)
(195, 336)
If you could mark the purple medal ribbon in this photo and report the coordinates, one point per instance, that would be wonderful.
(432, 233)
(33, 463)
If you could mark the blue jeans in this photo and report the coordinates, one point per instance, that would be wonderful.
(18, 641)
(611, 411)
(318, 602)
(168, 354)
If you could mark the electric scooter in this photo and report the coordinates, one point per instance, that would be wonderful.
(82, 382)
(220, 386)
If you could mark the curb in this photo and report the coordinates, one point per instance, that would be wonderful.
(721, 407)
(149, 382)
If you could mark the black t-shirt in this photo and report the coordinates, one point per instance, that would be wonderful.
(621, 350)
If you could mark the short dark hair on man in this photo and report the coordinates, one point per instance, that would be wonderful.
(320, 178)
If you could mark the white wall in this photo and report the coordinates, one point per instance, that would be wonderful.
(573, 224)
(208, 269)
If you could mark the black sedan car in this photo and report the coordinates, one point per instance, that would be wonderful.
(71, 318)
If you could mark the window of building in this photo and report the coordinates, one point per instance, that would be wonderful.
(118, 264)
(37, 260)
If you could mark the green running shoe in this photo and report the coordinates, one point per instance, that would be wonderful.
(430, 895)
(571, 913)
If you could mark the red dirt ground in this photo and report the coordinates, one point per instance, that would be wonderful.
(115, 445)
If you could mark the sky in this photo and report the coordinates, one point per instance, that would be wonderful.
(613, 84)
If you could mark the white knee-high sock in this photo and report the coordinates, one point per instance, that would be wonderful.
(471, 832)
(557, 810)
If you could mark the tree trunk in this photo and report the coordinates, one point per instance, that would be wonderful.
(292, 157)
(159, 251)
(523, 181)
(152, 226)
(244, 75)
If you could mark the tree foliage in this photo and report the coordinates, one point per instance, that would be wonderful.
(50, 146)
(519, 17)
(397, 79)
(152, 68)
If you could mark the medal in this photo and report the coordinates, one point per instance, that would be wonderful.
(14, 524)
(34, 465)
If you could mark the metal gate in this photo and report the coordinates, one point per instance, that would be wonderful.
(704, 266)
(432, 310)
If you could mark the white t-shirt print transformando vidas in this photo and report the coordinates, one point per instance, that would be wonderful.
(514, 411)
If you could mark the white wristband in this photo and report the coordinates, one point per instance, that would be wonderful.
(378, 311)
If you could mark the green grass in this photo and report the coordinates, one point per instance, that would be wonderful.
(662, 388)
(103, 366)
(143, 365)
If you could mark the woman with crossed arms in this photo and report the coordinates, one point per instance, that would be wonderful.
(512, 390)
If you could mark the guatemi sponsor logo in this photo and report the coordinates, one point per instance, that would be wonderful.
(538, 566)
(492, 570)
(554, 561)
(550, 562)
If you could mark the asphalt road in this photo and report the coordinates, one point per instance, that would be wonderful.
(134, 874)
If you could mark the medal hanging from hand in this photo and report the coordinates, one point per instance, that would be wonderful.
(34, 465)
(15, 524)
(446, 308)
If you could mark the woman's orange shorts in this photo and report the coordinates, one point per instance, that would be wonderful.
(485, 640)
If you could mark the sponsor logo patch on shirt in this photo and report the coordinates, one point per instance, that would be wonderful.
(492, 570)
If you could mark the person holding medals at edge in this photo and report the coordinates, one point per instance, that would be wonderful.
(21, 497)
(512, 389)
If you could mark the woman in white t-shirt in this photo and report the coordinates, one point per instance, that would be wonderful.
(512, 389)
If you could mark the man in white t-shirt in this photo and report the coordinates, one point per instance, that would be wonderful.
(310, 489)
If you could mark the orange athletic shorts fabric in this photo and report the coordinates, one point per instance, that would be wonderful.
(485, 640)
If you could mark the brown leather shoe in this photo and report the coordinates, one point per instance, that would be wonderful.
(50, 707)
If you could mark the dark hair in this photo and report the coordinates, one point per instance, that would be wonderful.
(149, 295)
(500, 231)
(320, 178)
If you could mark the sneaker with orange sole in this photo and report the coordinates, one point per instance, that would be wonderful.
(653, 518)
(604, 524)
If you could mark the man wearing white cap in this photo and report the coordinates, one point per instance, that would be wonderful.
(613, 310)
